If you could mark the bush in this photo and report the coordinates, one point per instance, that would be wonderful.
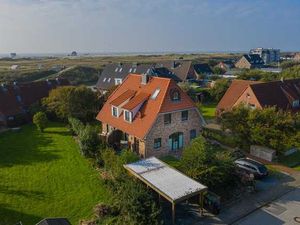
(136, 205)
(89, 141)
(40, 120)
(76, 125)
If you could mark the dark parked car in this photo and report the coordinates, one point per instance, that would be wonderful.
(257, 169)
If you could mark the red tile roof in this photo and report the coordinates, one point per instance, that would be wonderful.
(277, 93)
(15, 99)
(235, 90)
(140, 125)
(136, 100)
(123, 97)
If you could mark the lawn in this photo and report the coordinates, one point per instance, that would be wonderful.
(44, 175)
(208, 110)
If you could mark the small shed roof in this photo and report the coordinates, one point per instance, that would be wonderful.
(167, 181)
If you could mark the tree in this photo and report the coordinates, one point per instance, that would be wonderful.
(202, 162)
(89, 141)
(135, 204)
(40, 120)
(78, 102)
(219, 89)
(267, 127)
(218, 70)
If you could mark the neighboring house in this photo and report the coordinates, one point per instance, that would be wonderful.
(54, 221)
(268, 55)
(150, 115)
(13, 55)
(225, 65)
(115, 73)
(74, 53)
(284, 95)
(249, 61)
(297, 56)
(202, 69)
(179, 70)
(16, 99)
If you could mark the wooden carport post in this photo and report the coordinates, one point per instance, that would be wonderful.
(173, 213)
(201, 198)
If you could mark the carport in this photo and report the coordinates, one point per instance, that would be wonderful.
(167, 181)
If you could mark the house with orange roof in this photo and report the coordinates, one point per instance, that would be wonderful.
(283, 95)
(150, 115)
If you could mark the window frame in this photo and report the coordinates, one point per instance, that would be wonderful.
(129, 113)
(187, 115)
(194, 132)
(157, 143)
(169, 121)
(112, 111)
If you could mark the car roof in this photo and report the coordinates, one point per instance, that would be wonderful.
(250, 161)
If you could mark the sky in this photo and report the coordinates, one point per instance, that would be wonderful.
(94, 26)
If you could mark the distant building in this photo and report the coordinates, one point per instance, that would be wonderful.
(202, 69)
(13, 55)
(14, 67)
(297, 56)
(249, 61)
(225, 65)
(114, 74)
(74, 53)
(16, 99)
(268, 55)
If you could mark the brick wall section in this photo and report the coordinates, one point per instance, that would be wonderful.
(248, 98)
(145, 148)
(160, 130)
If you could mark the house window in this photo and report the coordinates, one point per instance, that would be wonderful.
(116, 70)
(193, 134)
(118, 81)
(176, 141)
(128, 116)
(295, 103)
(167, 118)
(184, 115)
(114, 111)
(19, 99)
(157, 143)
(175, 95)
(104, 79)
(108, 80)
(155, 94)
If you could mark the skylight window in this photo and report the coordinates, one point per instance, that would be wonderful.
(104, 79)
(121, 69)
(116, 70)
(134, 70)
(108, 80)
(130, 70)
(155, 94)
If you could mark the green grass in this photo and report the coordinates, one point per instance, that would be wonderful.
(171, 161)
(44, 175)
(208, 110)
(291, 160)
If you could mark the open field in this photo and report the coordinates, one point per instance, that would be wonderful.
(42, 65)
(44, 175)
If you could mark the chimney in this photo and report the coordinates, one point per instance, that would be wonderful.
(145, 78)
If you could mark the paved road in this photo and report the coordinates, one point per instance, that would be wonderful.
(282, 211)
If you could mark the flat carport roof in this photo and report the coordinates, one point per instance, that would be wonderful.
(165, 180)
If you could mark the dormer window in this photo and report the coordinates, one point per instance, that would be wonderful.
(127, 116)
(114, 111)
(175, 95)
(295, 103)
